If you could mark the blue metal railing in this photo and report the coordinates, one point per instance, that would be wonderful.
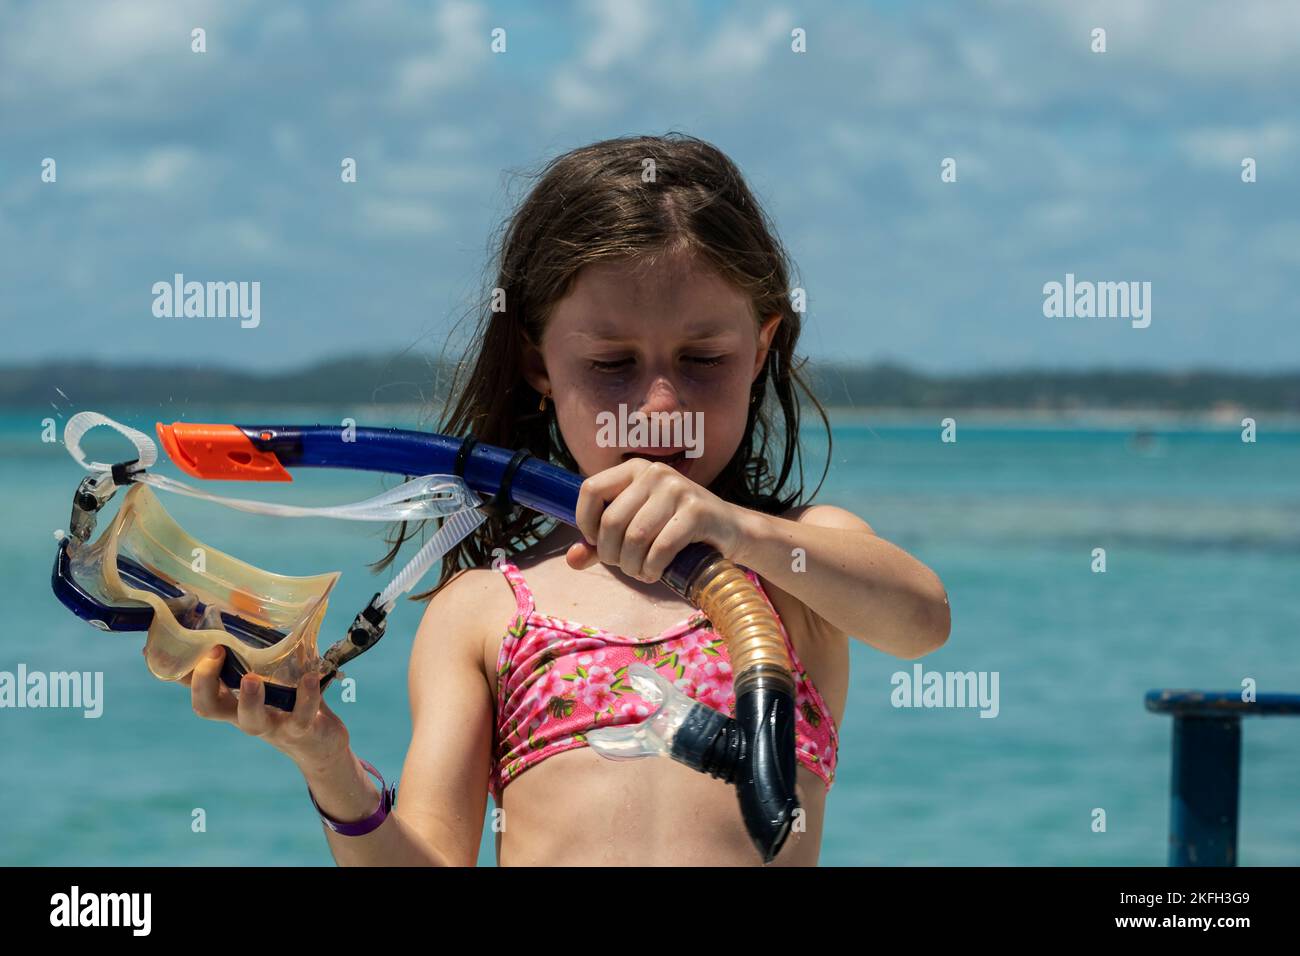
(1206, 776)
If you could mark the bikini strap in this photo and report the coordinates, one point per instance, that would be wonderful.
(524, 602)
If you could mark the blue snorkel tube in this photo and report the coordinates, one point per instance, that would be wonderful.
(755, 751)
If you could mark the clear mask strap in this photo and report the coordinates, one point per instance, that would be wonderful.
(429, 496)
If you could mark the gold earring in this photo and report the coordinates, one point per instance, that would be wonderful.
(541, 406)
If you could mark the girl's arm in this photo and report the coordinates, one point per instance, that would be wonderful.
(639, 515)
(442, 795)
(854, 582)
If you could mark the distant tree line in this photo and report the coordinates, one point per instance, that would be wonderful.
(409, 379)
(887, 385)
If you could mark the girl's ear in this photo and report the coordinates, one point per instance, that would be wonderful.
(766, 332)
(534, 369)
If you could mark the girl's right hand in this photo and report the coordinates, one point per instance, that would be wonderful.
(311, 735)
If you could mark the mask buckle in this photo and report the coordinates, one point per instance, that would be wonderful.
(366, 630)
(95, 491)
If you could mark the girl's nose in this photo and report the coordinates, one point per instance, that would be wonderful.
(662, 397)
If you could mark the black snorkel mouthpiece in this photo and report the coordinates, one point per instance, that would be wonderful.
(765, 776)
(710, 742)
(755, 751)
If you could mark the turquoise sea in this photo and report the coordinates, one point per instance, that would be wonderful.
(1202, 590)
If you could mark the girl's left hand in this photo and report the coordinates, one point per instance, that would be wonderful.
(640, 514)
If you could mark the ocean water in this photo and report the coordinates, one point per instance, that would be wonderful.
(1202, 540)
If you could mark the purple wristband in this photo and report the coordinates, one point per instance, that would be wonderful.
(361, 827)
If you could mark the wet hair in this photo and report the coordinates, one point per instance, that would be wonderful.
(596, 204)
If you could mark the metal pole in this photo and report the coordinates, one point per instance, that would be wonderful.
(1204, 791)
(1206, 779)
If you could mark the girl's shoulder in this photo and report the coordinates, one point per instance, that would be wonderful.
(465, 615)
(827, 516)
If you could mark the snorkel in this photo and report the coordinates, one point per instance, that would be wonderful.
(754, 751)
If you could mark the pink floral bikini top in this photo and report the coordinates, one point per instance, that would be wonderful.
(557, 679)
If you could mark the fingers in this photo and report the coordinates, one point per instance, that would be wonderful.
(257, 719)
(615, 520)
(599, 490)
(252, 714)
(591, 502)
(643, 533)
(581, 556)
(208, 696)
(249, 711)
(676, 534)
(306, 704)
(624, 513)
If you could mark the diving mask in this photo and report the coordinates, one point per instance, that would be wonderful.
(145, 573)
(199, 596)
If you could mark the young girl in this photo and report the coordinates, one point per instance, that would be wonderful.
(639, 275)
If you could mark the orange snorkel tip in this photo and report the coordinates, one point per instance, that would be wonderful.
(219, 452)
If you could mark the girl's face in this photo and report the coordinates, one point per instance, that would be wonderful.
(675, 339)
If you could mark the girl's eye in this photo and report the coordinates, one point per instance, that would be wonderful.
(619, 365)
(616, 366)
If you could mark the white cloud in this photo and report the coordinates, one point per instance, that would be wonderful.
(420, 76)
(64, 45)
(282, 22)
(460, 34)
(1247, 39)
(1060, 221)
(574, 91)
(159, 170)
(663, 51)
(623, 30)
(1226, 147)
(743, 45)
(399, 219)
(1279, 241)
(250, 237)
(286, 139)
(433, 176)
(447, 137)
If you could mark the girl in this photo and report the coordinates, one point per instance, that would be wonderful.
(639, 275)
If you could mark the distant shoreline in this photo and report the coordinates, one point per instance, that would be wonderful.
(406, 415)
(1104, 419)
(881, 392)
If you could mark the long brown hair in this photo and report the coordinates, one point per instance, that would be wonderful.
(643, 198)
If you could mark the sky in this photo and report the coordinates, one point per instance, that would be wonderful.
(1115, 166)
